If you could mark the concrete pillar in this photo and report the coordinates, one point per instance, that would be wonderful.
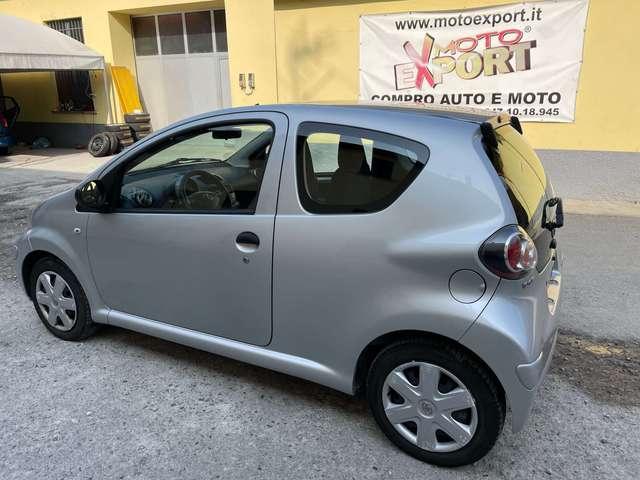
(252, 49)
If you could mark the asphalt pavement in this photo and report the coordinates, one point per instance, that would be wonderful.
(123, 405)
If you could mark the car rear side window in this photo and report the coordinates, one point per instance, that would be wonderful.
(351, 170)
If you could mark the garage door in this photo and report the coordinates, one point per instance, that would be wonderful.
(182, 64)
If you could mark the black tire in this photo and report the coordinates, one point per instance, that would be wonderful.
(114, 143)
(117, 128)
(123, 135)
(4, 151)
(139, 136)
(84, 326)
(476, 378)
(137, 118)
(99, 145)
(140, 127)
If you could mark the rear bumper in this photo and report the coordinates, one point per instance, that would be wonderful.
(516, 336)
(531, 374)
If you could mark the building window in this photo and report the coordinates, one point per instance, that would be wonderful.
(145, 35)
(72, 27)
(171, 34)
(199, 30)
(220, 23)
(74, 86)
(179, 33)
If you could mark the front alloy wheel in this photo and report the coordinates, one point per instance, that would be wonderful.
(60, 300)
(56, 302)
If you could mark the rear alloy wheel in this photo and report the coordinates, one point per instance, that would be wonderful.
(435, 401)
(60, 301)
(429, 407)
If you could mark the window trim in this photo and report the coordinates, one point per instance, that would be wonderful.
(114, 176)
(305, 129)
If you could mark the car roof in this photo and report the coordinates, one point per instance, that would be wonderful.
(472, 115)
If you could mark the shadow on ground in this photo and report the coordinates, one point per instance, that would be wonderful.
(211, 364)
(607, 370)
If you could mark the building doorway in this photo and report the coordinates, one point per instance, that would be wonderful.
(182, 64)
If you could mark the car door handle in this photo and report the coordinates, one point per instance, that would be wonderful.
(247, 242)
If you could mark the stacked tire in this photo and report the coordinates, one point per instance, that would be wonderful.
(139, 124)
(119, 136)
(122, 133)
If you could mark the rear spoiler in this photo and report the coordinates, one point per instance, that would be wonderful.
(487, 128)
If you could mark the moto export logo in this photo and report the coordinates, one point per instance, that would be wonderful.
(490, 53)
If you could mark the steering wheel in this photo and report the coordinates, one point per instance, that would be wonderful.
(200, 190)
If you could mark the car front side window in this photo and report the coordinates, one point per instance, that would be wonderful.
(215, 169)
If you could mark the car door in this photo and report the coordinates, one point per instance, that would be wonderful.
(189, 239)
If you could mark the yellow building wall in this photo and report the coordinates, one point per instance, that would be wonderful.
(318, 55)
(252, 49)
(308, 50)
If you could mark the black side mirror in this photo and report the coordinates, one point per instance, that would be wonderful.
(91, 196)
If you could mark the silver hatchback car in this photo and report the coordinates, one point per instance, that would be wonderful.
(405, 254)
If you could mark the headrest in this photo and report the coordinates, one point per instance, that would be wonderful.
(351, 156)
(382, 163)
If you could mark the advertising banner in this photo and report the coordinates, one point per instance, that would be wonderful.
(521, 58)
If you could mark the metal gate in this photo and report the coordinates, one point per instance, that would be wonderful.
(182, 64)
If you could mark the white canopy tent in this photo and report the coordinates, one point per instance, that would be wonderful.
(30, 47)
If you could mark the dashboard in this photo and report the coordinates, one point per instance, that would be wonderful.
(156, 188)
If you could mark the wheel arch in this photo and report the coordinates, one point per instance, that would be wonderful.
(373, 348)
(28, 263)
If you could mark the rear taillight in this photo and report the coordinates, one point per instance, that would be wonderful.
(509, 253)
(3, 122)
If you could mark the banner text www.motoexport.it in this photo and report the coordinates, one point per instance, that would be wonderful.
(534, 14)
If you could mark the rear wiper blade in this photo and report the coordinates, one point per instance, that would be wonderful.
(559, 220)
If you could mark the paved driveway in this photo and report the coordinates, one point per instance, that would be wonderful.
(122, 405)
